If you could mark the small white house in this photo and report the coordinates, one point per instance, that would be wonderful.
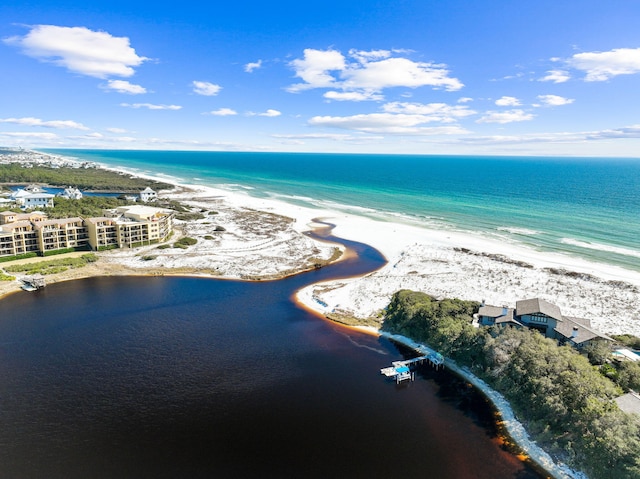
(38, 200)
(71, 193)
(148, 195)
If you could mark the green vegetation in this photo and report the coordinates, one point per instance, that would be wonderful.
(565, 402)
(66, 250)
(86, 207)
(185, 242)
(628, 340)
(6, 277)
(53, 266)
(93, 179)
(182, 212)
(4, 259)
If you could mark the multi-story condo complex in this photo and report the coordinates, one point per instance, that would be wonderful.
(126, 226)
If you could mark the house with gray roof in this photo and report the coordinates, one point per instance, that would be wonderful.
(542, 316)
(494, 315)
(538, 314)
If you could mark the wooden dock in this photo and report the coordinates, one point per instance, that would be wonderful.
(401, 370)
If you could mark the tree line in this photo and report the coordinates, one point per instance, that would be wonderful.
(91, 179)
(563, 400)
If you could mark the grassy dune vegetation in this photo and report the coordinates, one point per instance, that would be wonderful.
(52, 266)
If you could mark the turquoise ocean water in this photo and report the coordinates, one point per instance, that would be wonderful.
(584, 207)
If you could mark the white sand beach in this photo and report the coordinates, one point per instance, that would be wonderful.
(260, 243)
(256, 238)
(243, 237)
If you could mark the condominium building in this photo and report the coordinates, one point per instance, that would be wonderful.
(127, 226)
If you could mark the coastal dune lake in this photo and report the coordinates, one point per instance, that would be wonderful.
(173, 377)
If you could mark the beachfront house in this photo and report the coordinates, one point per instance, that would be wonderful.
(148, 195)
(542, 316)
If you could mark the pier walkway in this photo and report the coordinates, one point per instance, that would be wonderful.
(401, 370)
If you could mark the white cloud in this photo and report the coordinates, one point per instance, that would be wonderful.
(151, 106)
(505, 116)
(205, 88)
(373, 55)
(556, 76)
(116, 130)
(368, 73)
(250, 67)
(270, 113)
(465, 99)
(554, 100)
(440, 112)
(399, 72)
(314, 69)
(385, 123)
(630, 132)
(353, 96)
(223, 112)
(624, 132)
(80, 50)
(328, 136)
(60, 124)
(123, 86)
(508, 101)
(22, 134)
(601, 66)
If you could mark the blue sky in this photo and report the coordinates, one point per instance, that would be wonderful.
(414, 76)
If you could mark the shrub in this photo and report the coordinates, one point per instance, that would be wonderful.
(186, 241)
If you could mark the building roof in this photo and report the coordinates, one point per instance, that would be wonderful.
(16, 225)
(538, 305)
(578, 330)
(34, 196)
(59, 221)
(500, 314)
(142, 211)
(97, 219)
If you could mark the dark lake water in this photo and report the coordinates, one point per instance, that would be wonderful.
(166, 377)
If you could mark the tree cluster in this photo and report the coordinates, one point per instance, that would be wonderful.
(564, 401)
(91, 179)
(85, 207)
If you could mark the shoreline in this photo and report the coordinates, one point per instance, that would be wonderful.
(440, 263)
